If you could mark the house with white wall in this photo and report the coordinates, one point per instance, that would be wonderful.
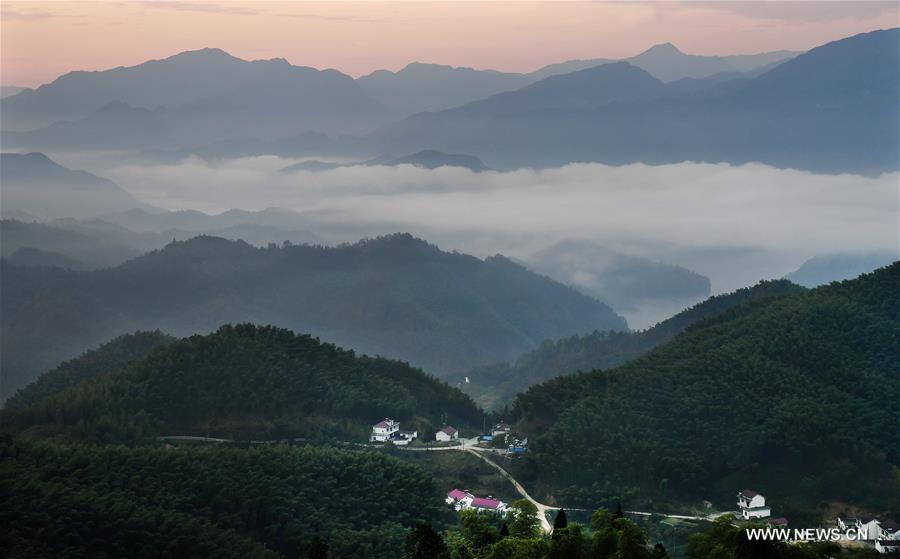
(462, 500)
(384, 430)
(752, 505)
(446, 434)
(890, 530)
(868, 528)
(500, 429)
(887, 546)
(459, 499)
(403, 438)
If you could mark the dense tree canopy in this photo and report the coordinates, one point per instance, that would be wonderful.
(244, 382)
(75, 501)
(496, 385)
(396, 296)
(109, 357)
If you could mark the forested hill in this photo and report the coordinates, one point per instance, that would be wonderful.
(244, 382)
(113, 355)
(113, 501)
(395, 296)
(795, 396)
(496, 385)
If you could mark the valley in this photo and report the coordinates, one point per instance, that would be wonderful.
(509, 280)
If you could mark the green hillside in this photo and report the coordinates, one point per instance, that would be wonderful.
(112, 501)
(395, 296)
(497, 385)
(244, 382)
(113, 355)
(797, 397)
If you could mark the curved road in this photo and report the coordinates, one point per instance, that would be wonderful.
(541, 507)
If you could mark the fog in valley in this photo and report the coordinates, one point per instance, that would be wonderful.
(733, 224)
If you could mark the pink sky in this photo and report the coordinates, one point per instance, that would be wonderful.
(41, 40)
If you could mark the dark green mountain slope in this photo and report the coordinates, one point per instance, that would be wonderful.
(796, 396)
(395, 296)
(90, 501)
(107, 358)
(243, 382)
(496, 385)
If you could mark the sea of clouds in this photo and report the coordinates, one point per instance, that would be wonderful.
(734, 223)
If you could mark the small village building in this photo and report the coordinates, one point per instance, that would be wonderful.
(847, 523)
(389, 430)
(446, 434)
(869, 528)
(500, 429)
(890, 530)
(887, 546)
(403, 438)
(459, 499)
(489, 504)
(384, 430)
(752, 505)
(462, 500)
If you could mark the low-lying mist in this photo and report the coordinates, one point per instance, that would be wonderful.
(734, 224)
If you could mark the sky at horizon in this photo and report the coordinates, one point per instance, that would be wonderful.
(40, 41)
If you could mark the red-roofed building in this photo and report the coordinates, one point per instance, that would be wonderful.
(384, 430)
(462, 500)
(447, 434)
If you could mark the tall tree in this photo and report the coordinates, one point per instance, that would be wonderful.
(525, 522)
(423, 542)
(561, 520)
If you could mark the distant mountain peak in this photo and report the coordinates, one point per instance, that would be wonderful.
(206, 53)
(663, 48)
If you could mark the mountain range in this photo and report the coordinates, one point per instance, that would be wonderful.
(36, 185)
(831, 109)
(220, 97)
(395, 296)
(828, 110)
(193, 97)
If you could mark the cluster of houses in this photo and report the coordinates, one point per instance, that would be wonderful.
(389, 430)
(885, 534)
(462, 500)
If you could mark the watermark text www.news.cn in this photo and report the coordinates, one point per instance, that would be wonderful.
(806, 534)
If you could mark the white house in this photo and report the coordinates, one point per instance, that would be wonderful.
(446, 434)
(459, 499)
(500, 429)
(491, 505)
(403, 438)
(752, 505)
(869, 528)
(384, 430)
(462, 500)
(890, 530)
(887, 546)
